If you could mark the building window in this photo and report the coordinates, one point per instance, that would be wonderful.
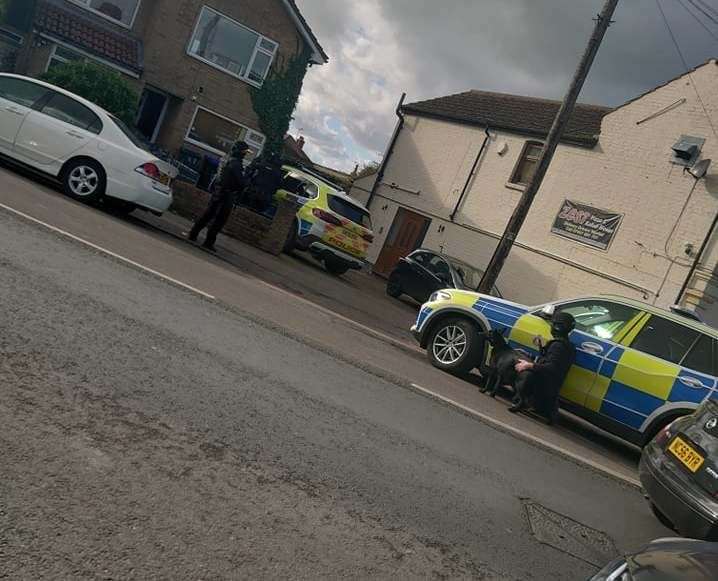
(231, 47)
(121, 11)
(217, 134)
(61, 55)
(526, 166)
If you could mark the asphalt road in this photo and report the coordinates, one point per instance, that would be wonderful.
(150, 432)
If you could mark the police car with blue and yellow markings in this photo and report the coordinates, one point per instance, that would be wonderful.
(637, 367)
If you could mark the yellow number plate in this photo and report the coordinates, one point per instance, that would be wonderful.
(689, 457)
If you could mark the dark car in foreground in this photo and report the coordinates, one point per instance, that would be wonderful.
(666, 560)
(423, 272)
(679, 473)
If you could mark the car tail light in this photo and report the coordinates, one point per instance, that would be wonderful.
(369, 237)
(151, 171)
(326, 217)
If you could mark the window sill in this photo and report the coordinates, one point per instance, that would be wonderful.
(517, 187)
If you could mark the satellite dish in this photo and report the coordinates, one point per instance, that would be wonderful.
(700, 169)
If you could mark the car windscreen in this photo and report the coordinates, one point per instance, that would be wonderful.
(133, 137)
(355, 213)
(470, 276)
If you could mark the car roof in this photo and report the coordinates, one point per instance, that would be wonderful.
(327, 184)
(666, 314)
(94, 106)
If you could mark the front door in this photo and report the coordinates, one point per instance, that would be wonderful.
(151, 113)
(17, 97)
(61, 128)
(406, 235)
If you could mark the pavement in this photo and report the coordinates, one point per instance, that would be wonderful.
(169, 414)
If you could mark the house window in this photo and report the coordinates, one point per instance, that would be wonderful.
(61, 55)
(120, 11)
(231, 47)
(217, 134)
(526, 166)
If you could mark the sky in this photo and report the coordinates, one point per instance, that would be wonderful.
(379, 49)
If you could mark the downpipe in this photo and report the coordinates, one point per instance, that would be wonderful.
(472, 173)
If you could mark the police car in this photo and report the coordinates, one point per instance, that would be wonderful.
(637, 367)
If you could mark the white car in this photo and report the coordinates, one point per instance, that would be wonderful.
(90, 151)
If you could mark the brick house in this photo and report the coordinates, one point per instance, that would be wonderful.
(192, 61)
(616, 213)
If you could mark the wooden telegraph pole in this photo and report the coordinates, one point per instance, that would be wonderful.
(559, 125)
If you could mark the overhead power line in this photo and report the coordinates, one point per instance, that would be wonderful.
(708, 7)
(705, 12)
(698, 20)
(686, 66)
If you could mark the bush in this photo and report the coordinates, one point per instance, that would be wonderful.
(98, 84)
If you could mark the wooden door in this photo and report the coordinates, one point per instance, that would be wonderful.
(406, 235)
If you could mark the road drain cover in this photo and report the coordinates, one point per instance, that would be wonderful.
(569, 536)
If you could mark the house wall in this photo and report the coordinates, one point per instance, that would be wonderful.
(361, 188)
(629, 172)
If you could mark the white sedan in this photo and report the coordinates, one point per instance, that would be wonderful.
(90, 151)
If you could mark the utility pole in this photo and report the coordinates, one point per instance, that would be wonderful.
(559, 125)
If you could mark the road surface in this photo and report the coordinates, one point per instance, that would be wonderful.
(151, 431)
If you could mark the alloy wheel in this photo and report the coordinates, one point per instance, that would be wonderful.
(83, 181)
(450, 344)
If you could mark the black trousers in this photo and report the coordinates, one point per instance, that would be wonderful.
(538, 391)
(216, 215)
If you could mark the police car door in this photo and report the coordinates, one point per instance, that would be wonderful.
(600, 324)
(665, 366)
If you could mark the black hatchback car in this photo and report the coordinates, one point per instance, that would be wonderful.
(423, 272)
(679, 473)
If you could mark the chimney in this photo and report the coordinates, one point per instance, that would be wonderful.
(300, 143)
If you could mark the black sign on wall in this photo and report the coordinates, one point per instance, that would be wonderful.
(586, 224)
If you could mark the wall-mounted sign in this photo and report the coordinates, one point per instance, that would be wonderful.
(586, 224)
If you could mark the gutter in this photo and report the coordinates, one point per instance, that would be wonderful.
(389, 151)
(472, 173)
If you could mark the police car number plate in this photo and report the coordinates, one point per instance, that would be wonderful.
(686, 454)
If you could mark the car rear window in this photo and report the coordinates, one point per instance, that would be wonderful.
(350, 211)
(131, 135)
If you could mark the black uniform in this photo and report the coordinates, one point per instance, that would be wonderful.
(543, 382)
(230, 184)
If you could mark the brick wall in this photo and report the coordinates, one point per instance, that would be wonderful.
(629, 172)
(244, 224)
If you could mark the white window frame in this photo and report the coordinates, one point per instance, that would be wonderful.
(249, 138)
(86, 5)
(86, 55)
(257, 49)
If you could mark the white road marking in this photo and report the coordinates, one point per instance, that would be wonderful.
(530, 437)
(108, 252)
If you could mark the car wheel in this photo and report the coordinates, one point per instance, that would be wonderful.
(393, 288)
(291, 241)
(663, 518)
(84, 180)
(335, 266)
(455, 346)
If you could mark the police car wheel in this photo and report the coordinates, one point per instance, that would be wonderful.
(455, 346)
(335, 266)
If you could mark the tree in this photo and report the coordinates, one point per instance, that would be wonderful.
(98, 84)
(369, 168)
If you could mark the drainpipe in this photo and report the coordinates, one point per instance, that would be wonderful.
(389, 151)
(697, 261)
(472, 173)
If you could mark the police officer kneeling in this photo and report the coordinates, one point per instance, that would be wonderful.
(541, 380)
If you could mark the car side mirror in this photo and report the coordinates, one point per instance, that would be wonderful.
(547, 312)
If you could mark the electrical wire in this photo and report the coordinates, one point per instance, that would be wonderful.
(698, 20)
(687, 67)
(708, 7)
(700, 8)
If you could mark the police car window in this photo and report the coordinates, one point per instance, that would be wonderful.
(700, 357)
(665, 339)
(602, 319)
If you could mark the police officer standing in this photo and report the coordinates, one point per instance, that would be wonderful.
(229, 184)
(542, 379)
